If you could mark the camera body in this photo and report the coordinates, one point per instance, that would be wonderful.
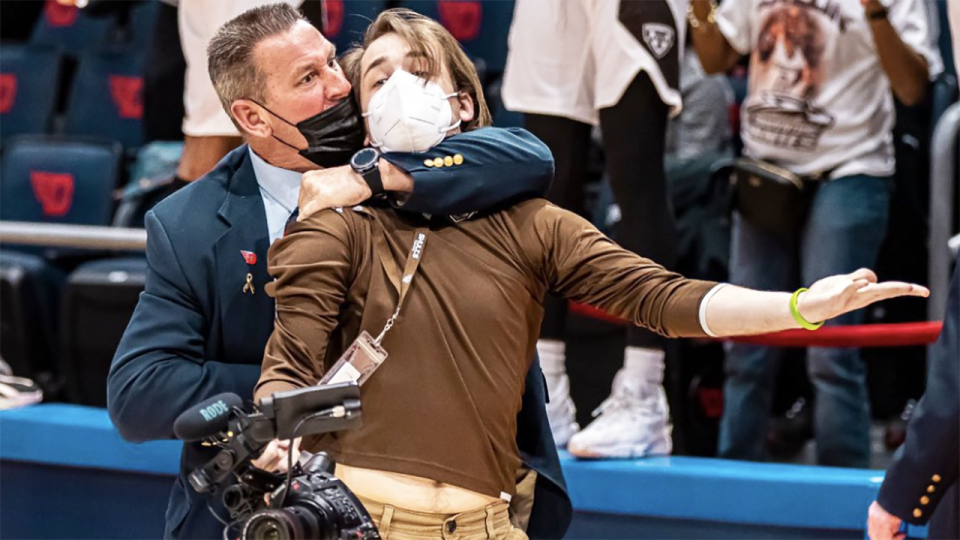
(308, 503)
(318, 505)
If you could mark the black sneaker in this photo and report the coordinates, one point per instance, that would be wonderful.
(789, 433)
(896, 432)
(18, 392)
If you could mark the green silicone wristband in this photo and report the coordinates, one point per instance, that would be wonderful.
(795, 311)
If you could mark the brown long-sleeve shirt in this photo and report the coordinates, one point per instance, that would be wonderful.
(444, 404)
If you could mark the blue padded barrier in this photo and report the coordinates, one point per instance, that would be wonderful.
(675, 497)
(77, 436)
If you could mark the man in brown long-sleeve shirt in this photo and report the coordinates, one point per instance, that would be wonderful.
(440, 414)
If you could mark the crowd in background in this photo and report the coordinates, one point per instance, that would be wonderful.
(640, 117)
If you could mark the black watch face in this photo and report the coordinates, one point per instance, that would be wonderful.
(364, 158)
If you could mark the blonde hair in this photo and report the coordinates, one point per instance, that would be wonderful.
(430, 39)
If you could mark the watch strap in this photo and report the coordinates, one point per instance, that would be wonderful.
(374, 180)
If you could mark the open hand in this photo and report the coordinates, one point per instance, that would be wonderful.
(836, 295)
(274, 456)
(882, 525)
(331, 188)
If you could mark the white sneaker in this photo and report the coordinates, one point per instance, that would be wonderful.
(18, 392)
(632, 423)
(561, 411)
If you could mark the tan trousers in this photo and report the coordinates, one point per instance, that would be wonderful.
(488, 523)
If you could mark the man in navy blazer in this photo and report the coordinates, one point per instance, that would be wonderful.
(921, 482)
(203, 321)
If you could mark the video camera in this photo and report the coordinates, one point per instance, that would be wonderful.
(310, 503)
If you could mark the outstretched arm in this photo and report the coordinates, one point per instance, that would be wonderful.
(581, 263)
(496, 167)
(736, 311)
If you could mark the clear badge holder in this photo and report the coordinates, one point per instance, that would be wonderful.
(358, 362)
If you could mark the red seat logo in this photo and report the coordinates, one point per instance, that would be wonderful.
(332, 11)
(54, 191)
(126, 92)
(8, 91)
(711, 401)
(59, 15)
(462, 19)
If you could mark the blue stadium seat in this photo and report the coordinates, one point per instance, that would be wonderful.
(55, 180)
(143, 22)
(70, 29)
(59, 180)
(29, 78)
(107, 97)
(345, 21)
(480, 26)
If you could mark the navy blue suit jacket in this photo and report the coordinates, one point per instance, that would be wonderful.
(921, 482)
(195, 334)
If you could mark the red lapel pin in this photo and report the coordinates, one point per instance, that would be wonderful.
(249, 256)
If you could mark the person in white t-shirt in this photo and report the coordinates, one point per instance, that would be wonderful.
(574, 64)
(818, 103)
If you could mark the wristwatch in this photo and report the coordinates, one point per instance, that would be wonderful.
(877, 14)
(366, 163)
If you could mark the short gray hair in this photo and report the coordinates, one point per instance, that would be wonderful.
(230, 62)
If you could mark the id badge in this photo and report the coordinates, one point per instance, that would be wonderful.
(357, 363)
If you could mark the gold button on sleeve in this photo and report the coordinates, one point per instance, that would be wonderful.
(936, 478)
(931, 489)
(448, 161)
(458, 159)
(438, 162)
(428, 162)
(924, 500)
(917, 513)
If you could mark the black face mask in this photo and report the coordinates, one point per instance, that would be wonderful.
(333, 136)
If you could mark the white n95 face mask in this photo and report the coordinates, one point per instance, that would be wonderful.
(407, 115)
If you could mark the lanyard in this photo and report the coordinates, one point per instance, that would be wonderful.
(393, 273)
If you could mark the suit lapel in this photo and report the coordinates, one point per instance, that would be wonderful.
(247, 316)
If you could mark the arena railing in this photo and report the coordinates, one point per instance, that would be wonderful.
(72, 236)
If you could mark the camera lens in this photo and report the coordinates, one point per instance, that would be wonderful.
(268, 525)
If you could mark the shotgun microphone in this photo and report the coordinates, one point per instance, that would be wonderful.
(207, 418)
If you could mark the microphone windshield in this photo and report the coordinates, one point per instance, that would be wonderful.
(206, 418)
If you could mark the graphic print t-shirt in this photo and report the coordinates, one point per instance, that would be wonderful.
(818, 100)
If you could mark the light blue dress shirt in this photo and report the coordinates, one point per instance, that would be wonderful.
(280, 189)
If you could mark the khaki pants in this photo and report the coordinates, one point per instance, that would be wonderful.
(488, 523)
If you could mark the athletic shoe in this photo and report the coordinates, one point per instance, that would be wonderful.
(18, 392)
(561, 411)
(5, 367)
(632, 423)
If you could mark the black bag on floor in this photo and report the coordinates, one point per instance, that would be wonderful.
(98, 301)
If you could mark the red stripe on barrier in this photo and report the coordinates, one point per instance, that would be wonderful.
(866, 335)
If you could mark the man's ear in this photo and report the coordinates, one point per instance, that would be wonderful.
(466, 107)
(250, 117)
